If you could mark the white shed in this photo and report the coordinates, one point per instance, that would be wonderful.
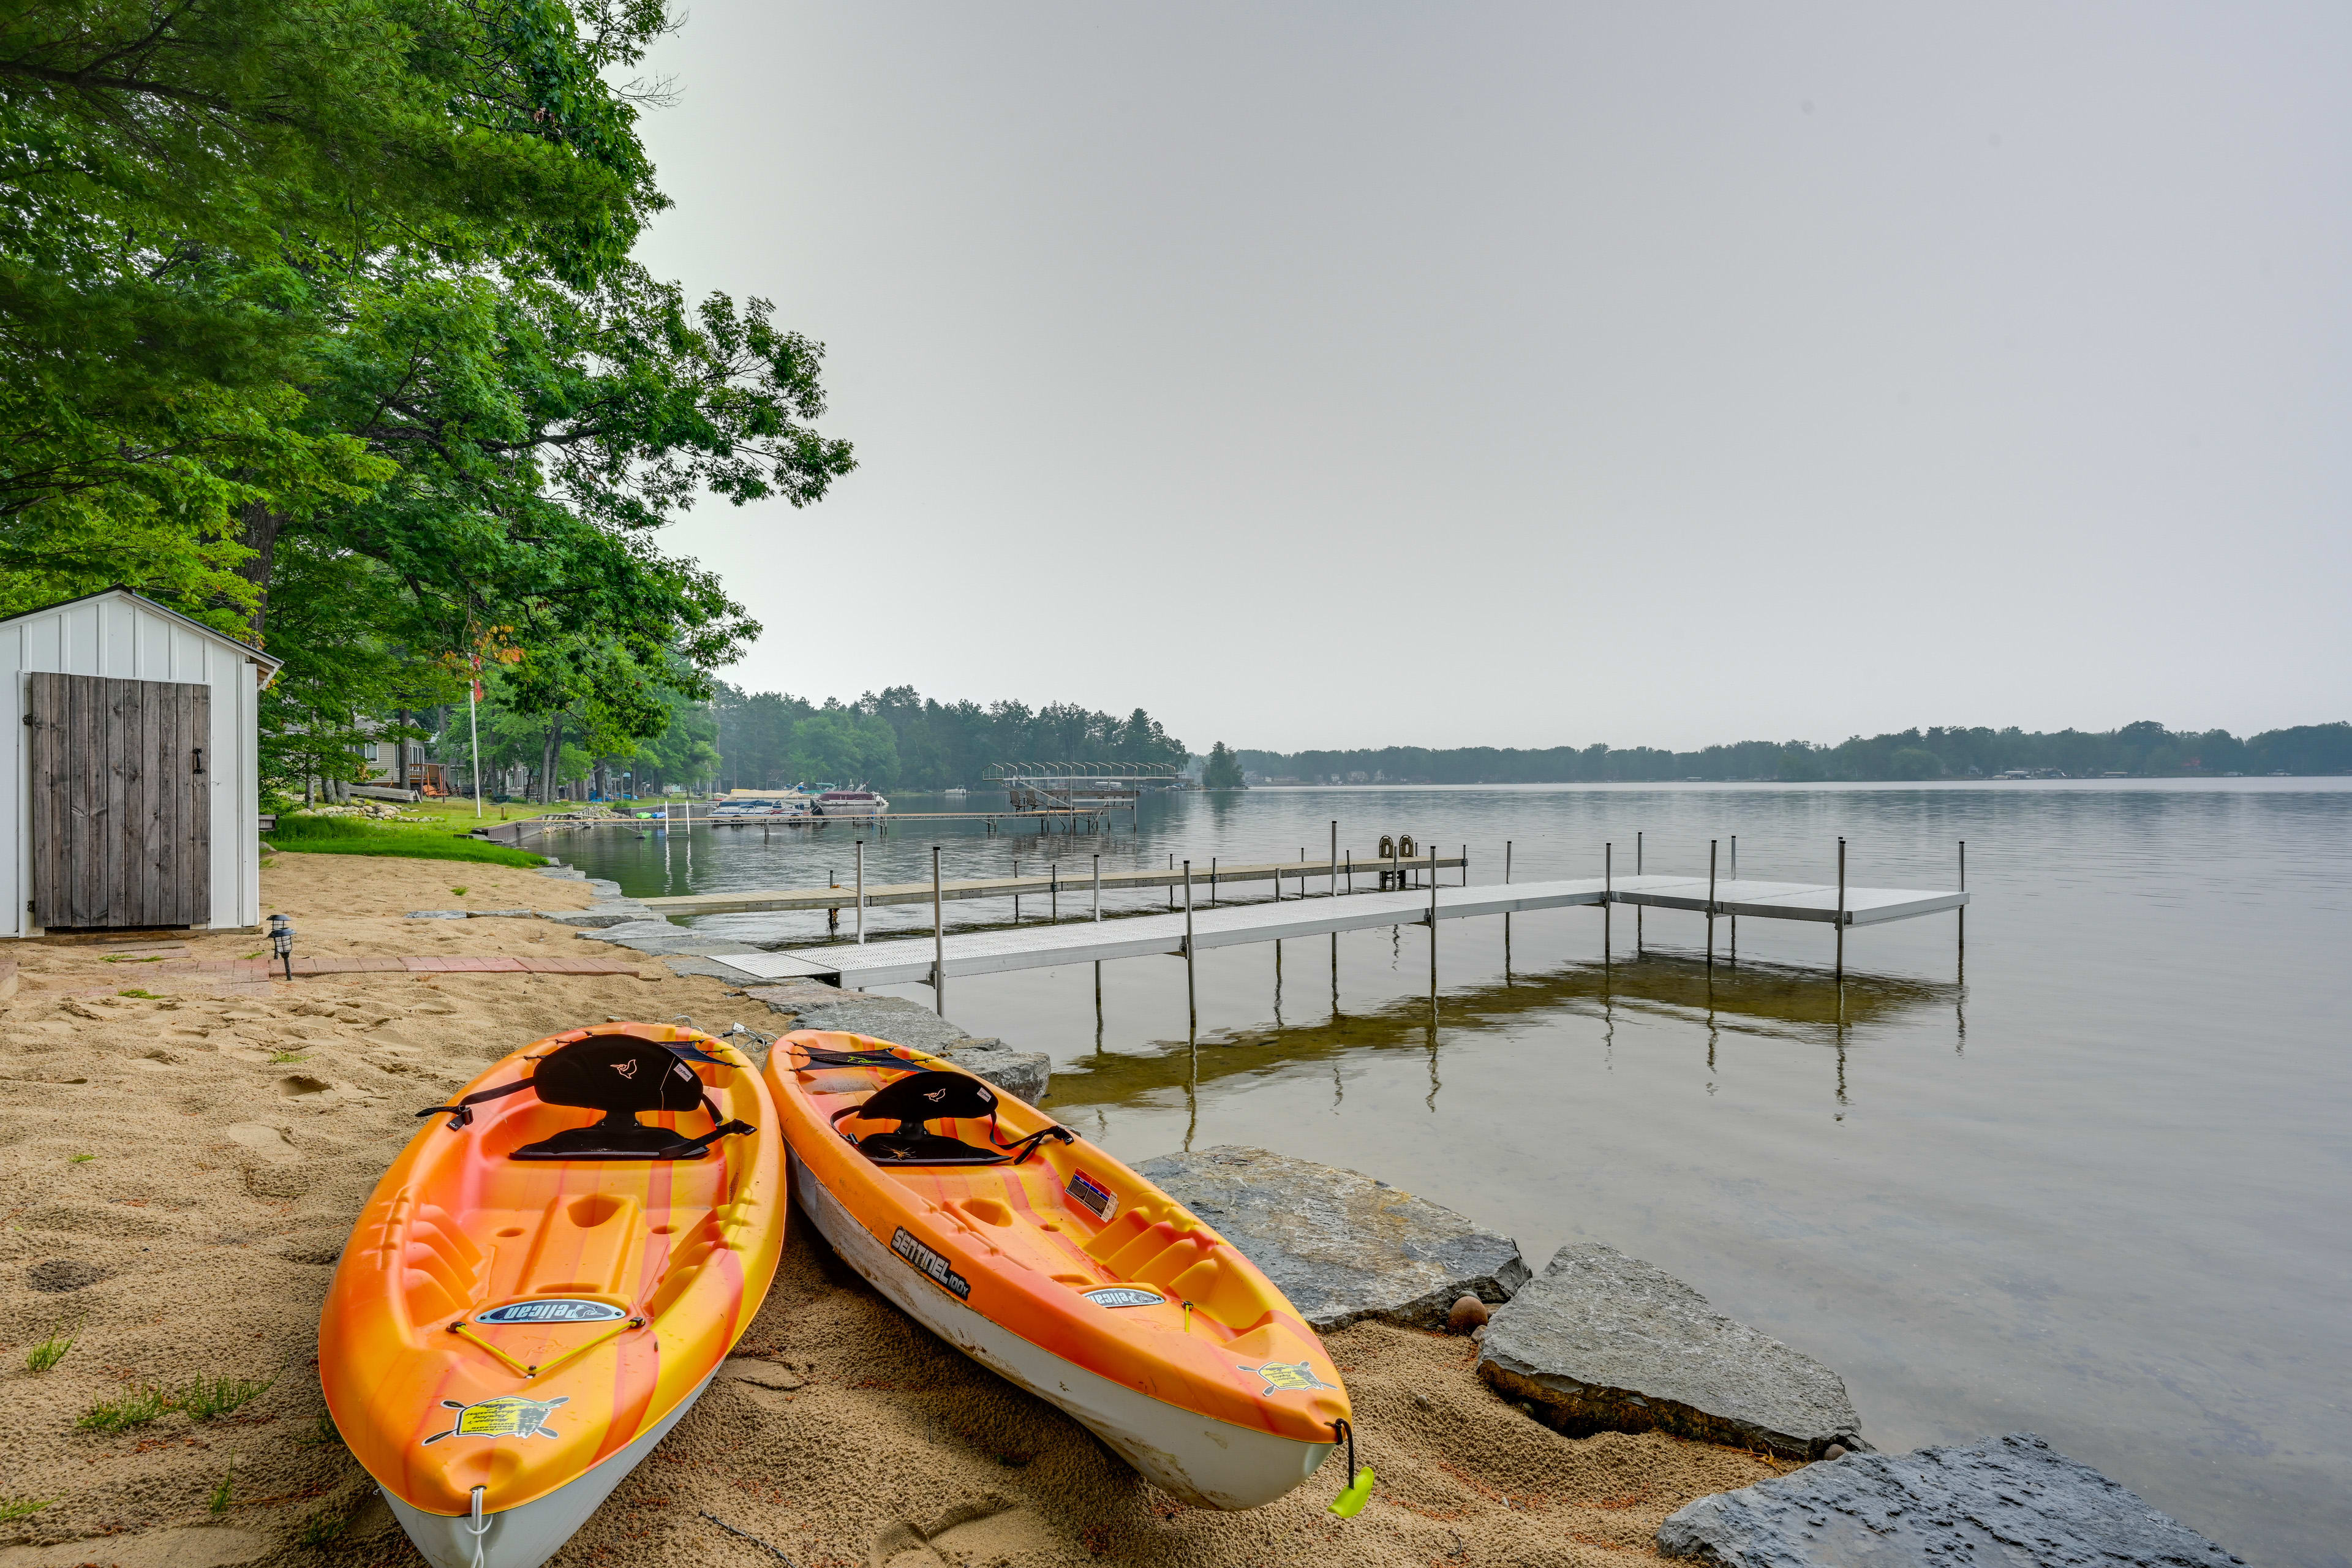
(131, 781)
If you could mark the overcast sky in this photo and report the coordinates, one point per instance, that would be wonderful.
(1474, 374)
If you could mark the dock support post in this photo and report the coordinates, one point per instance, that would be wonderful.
(1054, 890)
(1097, 894)
(1963, 913)
(1466, 866)
(1710, 903)
(1608, 896)
(1734, 920)
(1506, 914)
(1192, 996)
(1016, 890)
(1188, 880)
(1213, 884)
(1841, 911)
(939, 941)
(833, 911)
(1637, 908)
(1335, 858)
(1098, 1017)
(861, 890)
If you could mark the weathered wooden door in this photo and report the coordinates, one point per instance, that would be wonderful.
(121, 800)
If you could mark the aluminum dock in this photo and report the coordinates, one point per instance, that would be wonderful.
(901, 959)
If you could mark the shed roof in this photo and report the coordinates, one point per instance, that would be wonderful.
(122, 591)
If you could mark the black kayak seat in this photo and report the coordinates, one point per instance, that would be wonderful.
(622, 1076)
(912, 1100)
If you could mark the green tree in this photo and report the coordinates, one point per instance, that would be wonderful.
(1222, 769)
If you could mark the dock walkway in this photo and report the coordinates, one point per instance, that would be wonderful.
(1316, 876)
(904, 959)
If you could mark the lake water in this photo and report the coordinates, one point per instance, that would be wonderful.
(2100, 1190)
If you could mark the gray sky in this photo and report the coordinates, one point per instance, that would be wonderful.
(1476, 374)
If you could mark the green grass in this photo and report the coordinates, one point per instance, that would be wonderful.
(51, 1351)
(217, 1503)
(324, 1433)
(209, 1398)
(356, 835)
(15, 1508)
(80, 1159)
(139, 1409)
(281, 1057)
(321, 1529)
(141, 995)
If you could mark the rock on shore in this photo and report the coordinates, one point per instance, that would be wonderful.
(2005, 1502)
(807, 1004)
(1607, 1343)
(1340, 1244)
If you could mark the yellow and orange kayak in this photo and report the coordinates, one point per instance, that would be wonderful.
(545, 1280)
(1047, 1261)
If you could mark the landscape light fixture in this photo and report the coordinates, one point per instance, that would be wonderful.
(281, 938)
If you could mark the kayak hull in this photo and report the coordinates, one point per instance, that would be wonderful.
(528, 1536)
(1203, 1461)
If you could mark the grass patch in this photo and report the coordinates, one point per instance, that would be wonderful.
(280, 1059)
(354, 836)
(459, 891)
(141, 995)
(218, 1500)
(51, 1351)
(80, 1159)
(139, 1409)
(209, 1398)
(14, 1507)
(322, 1529)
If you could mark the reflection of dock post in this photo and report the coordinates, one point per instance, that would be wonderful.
(1840, 921)
(1192, 997)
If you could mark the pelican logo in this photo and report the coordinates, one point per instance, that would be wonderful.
(627, 1069)
(508, 1416)
(1123, 1295)
(1287, 1377)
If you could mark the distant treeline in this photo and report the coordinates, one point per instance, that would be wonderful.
(899, 740)
(2143, 749)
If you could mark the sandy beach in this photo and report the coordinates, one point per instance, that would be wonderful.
(182, 1166)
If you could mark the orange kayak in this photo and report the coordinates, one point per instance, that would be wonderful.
(535, 1293)
(1039, 1256)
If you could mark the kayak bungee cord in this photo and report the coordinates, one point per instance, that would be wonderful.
(479, 1528)
(1358, 1492)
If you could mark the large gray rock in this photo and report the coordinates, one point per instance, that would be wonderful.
(1024, 1075)
(661, 939)
(1340, 1244)
(2005, 1502)
(1607, 1343)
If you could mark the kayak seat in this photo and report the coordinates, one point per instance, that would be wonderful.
(934, 1096)
(622, 1076)
(917, 1098)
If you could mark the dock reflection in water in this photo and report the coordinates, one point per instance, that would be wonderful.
(1757, 1000)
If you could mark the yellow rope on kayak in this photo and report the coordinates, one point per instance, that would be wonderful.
(464, 1330)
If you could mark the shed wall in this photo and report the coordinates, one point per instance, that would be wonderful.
(116, 636)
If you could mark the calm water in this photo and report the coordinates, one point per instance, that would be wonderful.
(2098, 1191)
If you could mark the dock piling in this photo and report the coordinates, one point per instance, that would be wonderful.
(1734, 920)
(938, 940)
(1637, 908)
(1963, 913)
(1335, 860)
(1192, 996)
(861, 889)
(1841, 911)
(1710, 903)
(1608, 896)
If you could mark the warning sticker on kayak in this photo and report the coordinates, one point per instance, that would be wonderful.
(505, 1416)
(1287, 1377)
(931, 1264)
(1123, 1295)
(1092, 1195)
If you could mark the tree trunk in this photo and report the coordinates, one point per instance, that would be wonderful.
(262, 526)
(552, 755)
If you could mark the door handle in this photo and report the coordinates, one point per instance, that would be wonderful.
(200, 760)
